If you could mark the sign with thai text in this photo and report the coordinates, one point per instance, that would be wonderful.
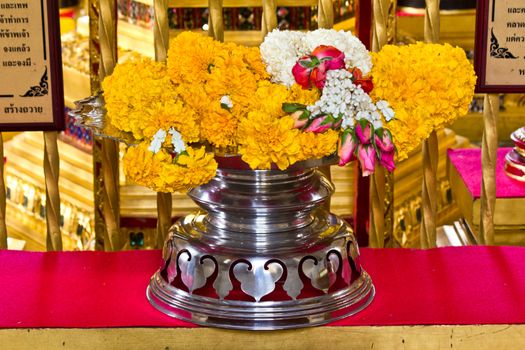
(500, 46)
(31, 93)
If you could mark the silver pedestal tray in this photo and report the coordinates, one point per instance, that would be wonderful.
(262, 255)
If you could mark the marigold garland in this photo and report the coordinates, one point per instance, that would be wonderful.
(428, 85)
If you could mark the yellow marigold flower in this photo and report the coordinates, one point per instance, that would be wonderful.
(269, 98)
(303, 96)
(264, 140)
(218, 127)
(158, 172)
(314, 146)
(231, 77)
(428, 85)
(190, 57)
(199, 167)
(131, 90)
(142, 166)
(195, 97)
(252, 58)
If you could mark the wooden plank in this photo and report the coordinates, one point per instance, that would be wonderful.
(480, 337)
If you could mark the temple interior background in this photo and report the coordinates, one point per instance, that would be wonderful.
(25, 183)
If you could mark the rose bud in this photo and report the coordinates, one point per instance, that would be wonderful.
(367, 158)
(334, 58)
(387, 160)
(301, 71)
(323, 123)
(346, 148)
(363, 131)
(298, 121)
(383, 140)
(309, 71)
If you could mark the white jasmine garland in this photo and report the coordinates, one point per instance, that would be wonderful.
(280, 50)
(157, 141)
(176, 141)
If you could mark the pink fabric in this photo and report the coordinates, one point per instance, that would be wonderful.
(467, 161)
(468, 285)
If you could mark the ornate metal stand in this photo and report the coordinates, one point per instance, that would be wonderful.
(263, 254)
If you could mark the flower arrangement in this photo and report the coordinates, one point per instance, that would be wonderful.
(299, 96)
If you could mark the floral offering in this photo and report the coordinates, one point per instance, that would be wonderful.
(299, 96)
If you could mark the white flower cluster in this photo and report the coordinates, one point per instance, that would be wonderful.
(160, 137)
(341, 97)
(280, 51)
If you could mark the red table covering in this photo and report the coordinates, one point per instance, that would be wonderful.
(467, 162)
(464, 285)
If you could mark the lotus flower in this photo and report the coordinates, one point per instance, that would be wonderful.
(334, 58)
(384, 140)
(387, 160)
(323, 123)
(367, 158)
(363, 131)
(346, 148)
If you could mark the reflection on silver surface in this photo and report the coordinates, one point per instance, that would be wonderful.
(262, 255)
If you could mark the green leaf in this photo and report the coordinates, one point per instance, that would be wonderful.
(292, 107)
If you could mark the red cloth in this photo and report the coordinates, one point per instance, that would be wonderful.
(467, 161)
(467, 285)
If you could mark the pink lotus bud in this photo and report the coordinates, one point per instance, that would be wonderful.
(384, 143)
(298, 122)
(346, 148)
(367, 158)
(387, 160)
(364, 133)
(334, 58)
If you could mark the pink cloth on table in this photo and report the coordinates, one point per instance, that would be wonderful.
(467, 285)
(467, 162)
